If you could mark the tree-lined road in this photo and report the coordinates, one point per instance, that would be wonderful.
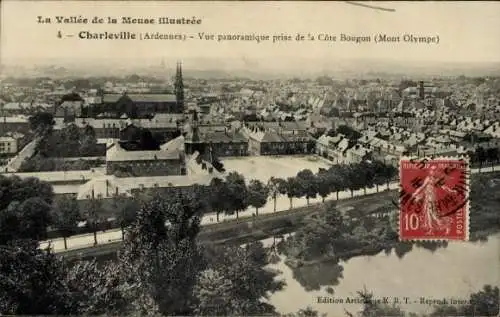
(282, 205)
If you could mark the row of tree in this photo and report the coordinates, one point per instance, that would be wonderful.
(481, 156)
(229, 195)
(232, 195)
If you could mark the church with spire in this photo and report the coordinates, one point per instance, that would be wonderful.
(179, 88)
(133, 105)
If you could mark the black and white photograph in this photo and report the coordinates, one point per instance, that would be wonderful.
(250, 158)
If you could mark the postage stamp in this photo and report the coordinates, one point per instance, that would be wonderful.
(434, 199)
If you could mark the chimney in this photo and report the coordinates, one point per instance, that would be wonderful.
(421, 91)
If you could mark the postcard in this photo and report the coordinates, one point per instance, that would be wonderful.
(261, 158)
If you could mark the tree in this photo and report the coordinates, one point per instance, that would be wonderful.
(306, 312)
(92, 212)
(25, 208)
(349, 178)
(257, 195)
(237, 193)
(484, 302)
(492, 155)
(126, 211)
(321, 236)
(67, 215)
(88, 142)
(68, 141)
(96, 289)
(213, 292)
(147, 141)
(41, 122)
(372, 308)
(251, 281)
(379, 178)
(292, 189)
(308, 184)
(218, 191)
(338, 174)
(481, 155)
(31, 280)
(349, 132)
(324, 184)
(368, 175)
(274, 185)
(160, 257)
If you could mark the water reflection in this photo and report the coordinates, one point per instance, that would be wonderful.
(424, 269)
(314, 276)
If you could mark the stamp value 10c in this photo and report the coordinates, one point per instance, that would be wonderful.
(434, 199)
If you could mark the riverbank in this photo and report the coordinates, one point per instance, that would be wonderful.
(455, 272)
(334, 237)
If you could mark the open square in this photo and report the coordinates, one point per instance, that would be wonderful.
(264, 167)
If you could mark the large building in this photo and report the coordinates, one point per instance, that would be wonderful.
(214, 140)
(141, 105)
(123, 163)
(278, 138)
(164, 125)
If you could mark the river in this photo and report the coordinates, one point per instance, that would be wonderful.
(454, 272)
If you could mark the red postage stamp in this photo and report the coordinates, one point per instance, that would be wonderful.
(434, 199)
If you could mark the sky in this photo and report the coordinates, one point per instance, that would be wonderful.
(469, 32)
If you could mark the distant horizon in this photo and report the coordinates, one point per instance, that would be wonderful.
(198, 61)
(343, 67)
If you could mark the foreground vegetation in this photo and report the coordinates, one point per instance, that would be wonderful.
(160, 270)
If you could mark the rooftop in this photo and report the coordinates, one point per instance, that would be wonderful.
(110, 98)
(62, 176)
(108, 186)
(116, 153)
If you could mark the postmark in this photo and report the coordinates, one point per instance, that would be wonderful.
(434, 199)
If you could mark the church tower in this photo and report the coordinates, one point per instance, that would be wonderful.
(179, 89)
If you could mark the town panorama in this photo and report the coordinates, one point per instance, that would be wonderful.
(176, 194)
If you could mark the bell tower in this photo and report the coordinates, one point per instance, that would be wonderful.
(179, 89)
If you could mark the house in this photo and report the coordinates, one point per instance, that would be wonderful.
(214, 140)
(338, 150)
(144, 163)
(8, 145)
(69, 109)
(278, 138)
(64, 182)
(18, 124)
(14, 108)
(493, 130)
(357, 154)
(323, 145)
(167, 126)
